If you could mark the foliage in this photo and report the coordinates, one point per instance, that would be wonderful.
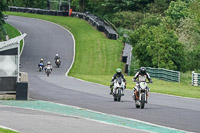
(3, 7)
(157, 47)
(128, 19)
(158, 6)
(28, 3)
(177, 11)
(79, 5)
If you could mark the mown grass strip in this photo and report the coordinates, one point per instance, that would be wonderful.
(12, 33)
(97, 58)
(2, 130)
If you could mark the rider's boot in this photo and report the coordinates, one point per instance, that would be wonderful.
(111, 91)
(133, 96)
(122, 93)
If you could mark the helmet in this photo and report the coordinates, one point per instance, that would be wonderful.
(41, 59)
(48, 63)
(56, 54)
(118, 71)
(143, 70)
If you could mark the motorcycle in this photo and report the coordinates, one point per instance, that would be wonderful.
(41, 65)
(141, 95)
(119, 86)
(48, 71)
(58, 62)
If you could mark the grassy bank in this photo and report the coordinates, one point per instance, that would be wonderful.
(2, 130)
(97, 58)
(13, 32)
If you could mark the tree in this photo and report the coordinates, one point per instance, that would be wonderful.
(3, 7)
(177, 11)
(158, 47)
(80, 5)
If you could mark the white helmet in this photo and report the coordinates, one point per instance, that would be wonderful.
(48, 63)
(56, 54)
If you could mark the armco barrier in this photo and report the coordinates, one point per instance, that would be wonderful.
(126, 57)
(92, 19)
(195, 79)
(163, 74)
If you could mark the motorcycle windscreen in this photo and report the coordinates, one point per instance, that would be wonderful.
(8, 65)
(119, 80)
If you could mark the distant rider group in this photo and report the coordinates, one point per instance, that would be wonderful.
(48, 67)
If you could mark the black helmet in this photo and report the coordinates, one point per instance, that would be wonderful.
(118, 71)
(143, 70)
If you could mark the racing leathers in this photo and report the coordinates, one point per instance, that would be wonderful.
(141, 78)
(48, 67)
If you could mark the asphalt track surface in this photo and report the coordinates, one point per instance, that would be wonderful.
(45, 40)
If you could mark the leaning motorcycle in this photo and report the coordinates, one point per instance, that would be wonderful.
(141, 95)
(119, 86)
(58, 62)
(41, 65)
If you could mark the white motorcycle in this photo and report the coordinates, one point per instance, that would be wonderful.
(141, 95)
(119, 86)
(48, 71)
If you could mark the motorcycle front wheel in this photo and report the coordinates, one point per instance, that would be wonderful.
(142, 101)
(119, 96)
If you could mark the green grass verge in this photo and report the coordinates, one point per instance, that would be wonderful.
(97, 57)
(13, 32)
(2, 130)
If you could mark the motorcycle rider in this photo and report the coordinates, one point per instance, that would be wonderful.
(41, 61)
(48, 66)
(117, 74)
(142, 75)
(56, 57)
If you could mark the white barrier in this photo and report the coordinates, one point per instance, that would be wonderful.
(194, 78)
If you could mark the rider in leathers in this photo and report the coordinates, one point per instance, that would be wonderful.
(48, 66)
(41, 61)
(142, 75)
(117, 74)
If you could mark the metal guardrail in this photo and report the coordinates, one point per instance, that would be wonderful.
(92, 19)
(126, 57)
(195, 79)
(163, 74)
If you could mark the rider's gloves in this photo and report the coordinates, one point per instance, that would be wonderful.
(150, 81)
(134, 80)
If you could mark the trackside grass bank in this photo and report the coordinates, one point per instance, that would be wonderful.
(2, 130)
(12, 32)
(97, 57)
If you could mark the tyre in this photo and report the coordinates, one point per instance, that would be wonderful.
(119, 96)
(142, 101)
(48, 73)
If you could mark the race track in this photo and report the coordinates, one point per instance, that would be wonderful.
(45, 39)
